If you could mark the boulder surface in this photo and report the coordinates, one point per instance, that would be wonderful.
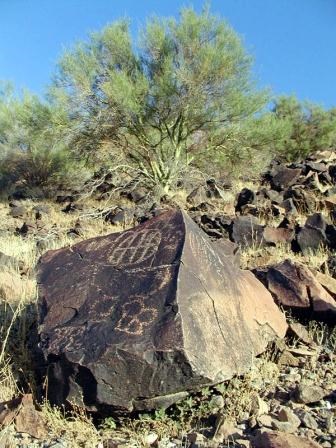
(133, 320)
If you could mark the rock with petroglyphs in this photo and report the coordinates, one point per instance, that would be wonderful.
(136, 319)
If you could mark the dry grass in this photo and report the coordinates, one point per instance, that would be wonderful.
(18, 313)
(76, 429)
(258, 256)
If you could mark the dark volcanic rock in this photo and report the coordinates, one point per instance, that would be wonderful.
(216, 225)
(319, 167)
(289, 206)
(331, 236)
(283, 177)
(120, 217)
(316, 221)
(274, 196)
(303, 201)
(332, 173)
(246, 196)
(214, 191)
(331, 265)
(310, 240)
(129, 320)
(278, 439)
(313, 235)
(246, 231)
(18, 211)
(197, 196)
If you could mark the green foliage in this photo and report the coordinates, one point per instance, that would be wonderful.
(180, 96)
(308, 128)
(31, 148)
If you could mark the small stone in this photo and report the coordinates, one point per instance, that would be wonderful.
(287, 415)
(289, 207)
(278, 235)
(259, 407)
(300, 332)
(196, 438)
(308, 394)
(274, 439)
(216, 403)
(307, 420)
(227, 430)
(287, 359)
(246, 196)
(283, 426)
(151, 439)
(265, 420)
(283, 177)
(18, 211)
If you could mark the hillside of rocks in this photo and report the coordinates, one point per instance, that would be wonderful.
(206, 318)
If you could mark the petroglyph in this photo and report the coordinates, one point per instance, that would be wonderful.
(136, 315)
(201, 249)
(101, 308)
(205, 253)
(68, 338)
(134, 247)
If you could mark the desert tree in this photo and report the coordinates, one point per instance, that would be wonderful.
(181, 96)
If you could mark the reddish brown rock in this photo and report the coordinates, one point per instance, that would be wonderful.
(275, 439)
(278, 235)
(328, 282)
(25, 415)
(30, 420)
(294, 286)
(132, 320)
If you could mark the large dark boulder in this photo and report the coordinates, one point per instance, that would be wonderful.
(133, 320)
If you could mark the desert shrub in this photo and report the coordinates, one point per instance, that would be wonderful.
(32, 152)
(308, 128)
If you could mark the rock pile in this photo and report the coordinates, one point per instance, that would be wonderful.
(288, 192)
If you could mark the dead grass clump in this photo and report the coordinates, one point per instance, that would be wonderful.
(258, 256)
(77, 429)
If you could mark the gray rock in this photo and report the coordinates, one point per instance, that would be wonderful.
(308, 394)
(18, 211)
(289, 207)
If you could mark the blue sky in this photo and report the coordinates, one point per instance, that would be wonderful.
(293, 41)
